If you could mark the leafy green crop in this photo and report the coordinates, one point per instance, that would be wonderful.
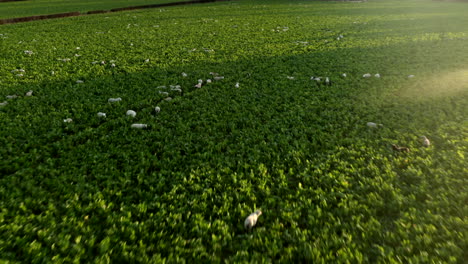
(47, 7)
(331, 189)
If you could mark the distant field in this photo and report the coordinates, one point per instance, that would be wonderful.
(45, 7)
(268, 132)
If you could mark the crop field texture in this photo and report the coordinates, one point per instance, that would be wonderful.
(80, 187)
(47, 7)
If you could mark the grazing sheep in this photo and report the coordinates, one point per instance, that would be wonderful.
(131, 113)
(157, 109)
(377, 75)
(401, 149)
(367, 75)
(344, 75)
(101, 114)
(251, 220)
(373, 125)
(29, 93)
(425, 141)
(140, 126)
(68, 120)
(237, 85)
(112, 100)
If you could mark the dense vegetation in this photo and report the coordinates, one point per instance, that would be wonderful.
(331, 189)
(46, 7)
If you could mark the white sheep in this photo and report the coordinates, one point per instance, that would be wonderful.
(184, 74)
(29, 93)
(4, 103)
(237, 85)
(367, 75)
(373, 125)
(101, 114)
(377, 75)
(217, 78)
(344, 75)
(68, 120)
(157, 109)
(79, 81)
(139, 126)
(113, 100)
(425, 141)
(131, 113)
(410, 76)
(251, 220)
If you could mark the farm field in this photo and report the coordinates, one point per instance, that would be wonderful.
(47, 7)
(265, 134)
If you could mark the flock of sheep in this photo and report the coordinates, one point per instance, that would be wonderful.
(251, 220)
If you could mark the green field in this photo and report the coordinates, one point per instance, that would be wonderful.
(47, 7)
(331, 189)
